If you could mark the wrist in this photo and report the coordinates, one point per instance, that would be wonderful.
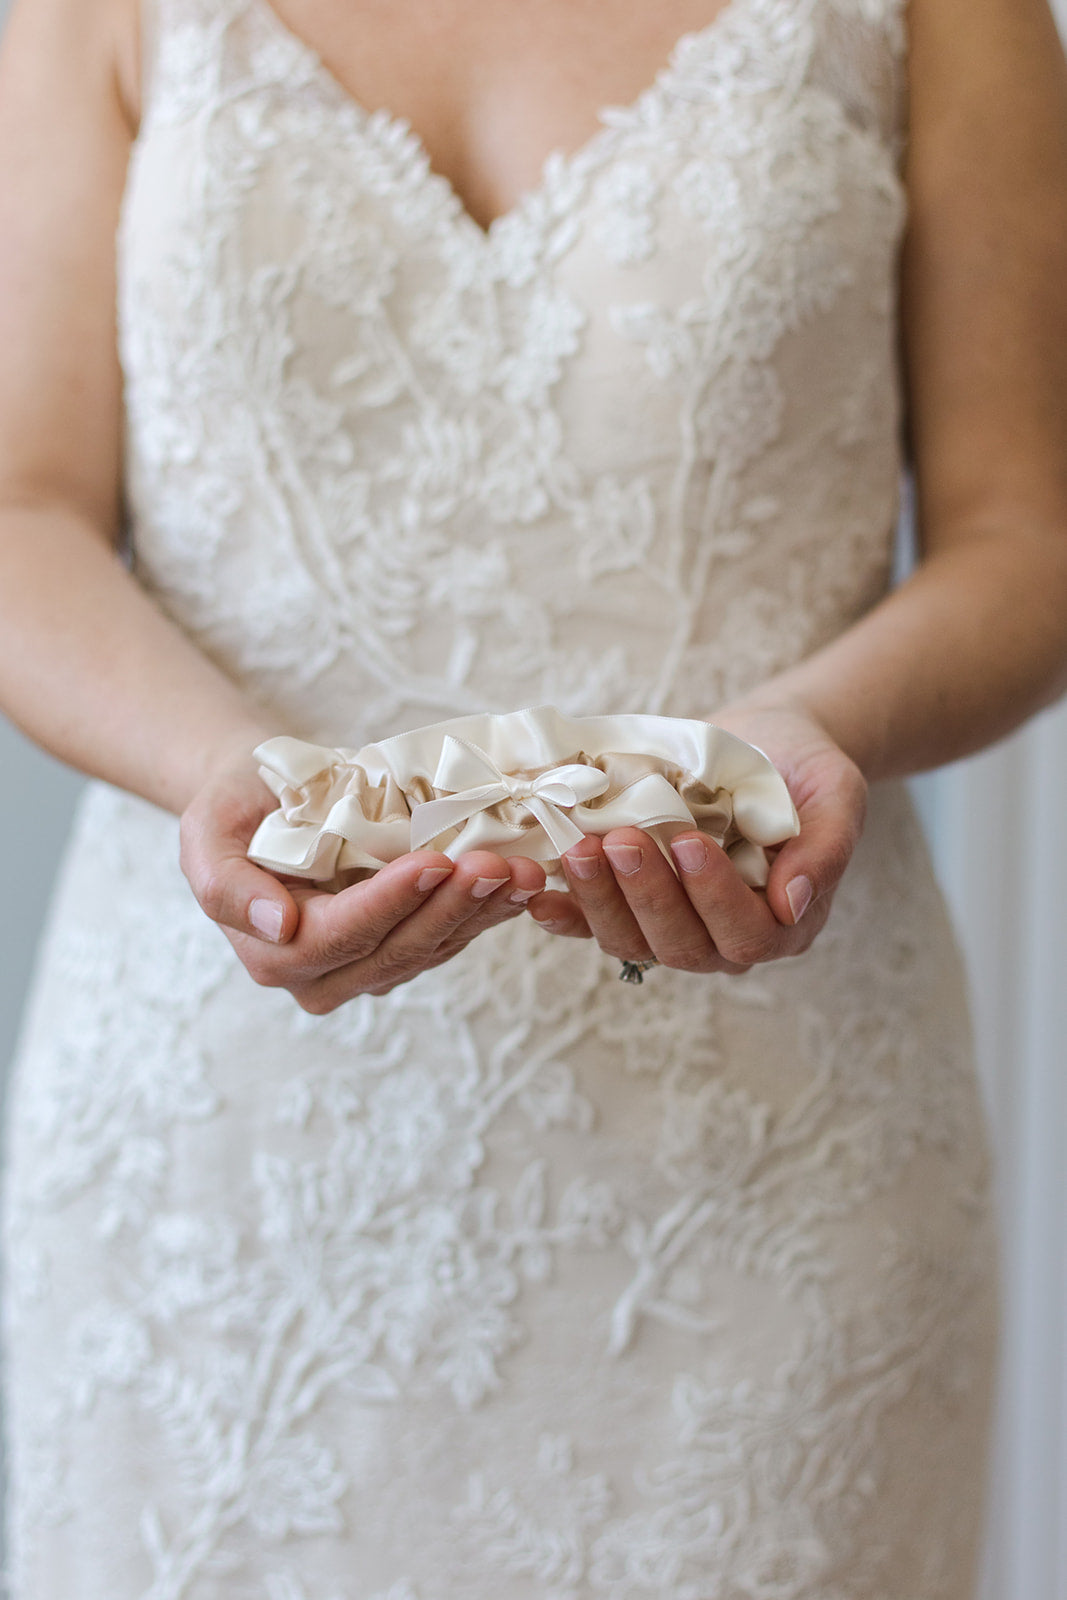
(226, 752)
(860, 739)
(770, 706)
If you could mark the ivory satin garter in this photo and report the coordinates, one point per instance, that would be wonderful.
(525, 783)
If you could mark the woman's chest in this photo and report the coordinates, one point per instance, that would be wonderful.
(491, 86)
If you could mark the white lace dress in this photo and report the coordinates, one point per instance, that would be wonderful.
(517, 1284)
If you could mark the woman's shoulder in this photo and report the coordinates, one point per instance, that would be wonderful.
(98, 40)
(65, 136)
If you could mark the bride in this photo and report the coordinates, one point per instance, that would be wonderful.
(387, 1248)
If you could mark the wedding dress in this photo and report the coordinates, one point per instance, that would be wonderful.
(517, 1284)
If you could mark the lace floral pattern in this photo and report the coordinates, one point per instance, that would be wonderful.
(388, 392)
(513, 1283)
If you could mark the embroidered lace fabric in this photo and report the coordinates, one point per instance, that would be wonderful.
(515, 1284)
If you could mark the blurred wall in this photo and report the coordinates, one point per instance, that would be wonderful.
(37, 797)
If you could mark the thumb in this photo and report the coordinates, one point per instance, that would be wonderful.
(809, 868)
(231, 889)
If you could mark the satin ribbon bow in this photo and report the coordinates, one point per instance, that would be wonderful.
(476, 782)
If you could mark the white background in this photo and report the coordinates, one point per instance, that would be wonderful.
(996, 825)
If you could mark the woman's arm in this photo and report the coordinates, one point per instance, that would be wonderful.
(89, 666)
(976, 640)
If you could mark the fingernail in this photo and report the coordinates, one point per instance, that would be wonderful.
(267, 916)
(625, 858)
(520, 897)
(430, 877)
(582, 866)
(551, 926)
(690, 854)
(481, 888)
(799, 893)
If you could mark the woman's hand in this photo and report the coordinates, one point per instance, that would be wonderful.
(414, 914)
(705, 919)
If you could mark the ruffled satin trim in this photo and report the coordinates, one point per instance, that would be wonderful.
(525, 783)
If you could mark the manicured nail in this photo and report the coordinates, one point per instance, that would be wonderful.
(582, 866)
(625, 858)
(520, 897)
(690, 854)
(267, 916)
(799, 893)
(481, 888)
(430, 877)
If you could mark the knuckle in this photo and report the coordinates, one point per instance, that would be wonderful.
(185, 851)
(379, 991)
(834, 868)
(445, 952)
(503, 912)
(385, 969)
(810, 929)
(860, 789)
(188, 829)
(854, 792)
(689, 958)
(264, 974)
(748, 949)
(339, 947)
(314, 1001)
(210, 890)
(837, 859)
(621, 950)
(660, 903)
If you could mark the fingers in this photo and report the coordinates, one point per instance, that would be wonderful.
(455, 931)
(326, 947)
(737, 919)
(559, 913)
(690, 933)
(706, 919)
(603, 904)
(481, 891)
(703, 918)
(339, 929)
(634, 905)
(478, 895)
(407, 917)
(332, 935)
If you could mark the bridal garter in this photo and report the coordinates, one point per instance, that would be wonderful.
(525, 783)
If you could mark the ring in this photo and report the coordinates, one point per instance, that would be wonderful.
(634, 971)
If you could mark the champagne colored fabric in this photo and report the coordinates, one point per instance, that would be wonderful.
(529, 783)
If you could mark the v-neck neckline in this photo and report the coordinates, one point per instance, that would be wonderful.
(556, 161)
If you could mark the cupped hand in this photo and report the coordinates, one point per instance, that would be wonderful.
(704, 918)
(323, 947)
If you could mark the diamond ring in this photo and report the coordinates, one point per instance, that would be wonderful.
(634, 971)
